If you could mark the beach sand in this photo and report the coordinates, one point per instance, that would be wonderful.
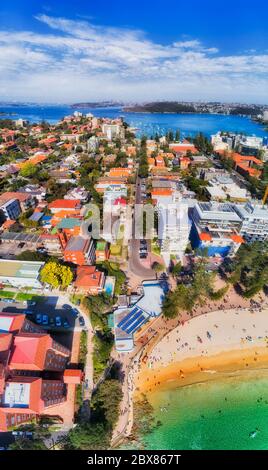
(206, 347)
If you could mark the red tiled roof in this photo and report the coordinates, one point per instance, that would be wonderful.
(88, 277)
(65, 204)
(29, 351)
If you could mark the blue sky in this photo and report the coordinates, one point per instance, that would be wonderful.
(64, 51)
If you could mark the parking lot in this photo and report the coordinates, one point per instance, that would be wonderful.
(11, 250)
(53, 313)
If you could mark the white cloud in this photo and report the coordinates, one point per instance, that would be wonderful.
(77, 60)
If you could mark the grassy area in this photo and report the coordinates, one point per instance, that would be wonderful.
(78, 395)
(83, 348)
(76, 298)
(23, 296)
(155, 248)
(7, 294)
(116, 249)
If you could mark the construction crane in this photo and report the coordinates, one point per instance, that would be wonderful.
(265, 196)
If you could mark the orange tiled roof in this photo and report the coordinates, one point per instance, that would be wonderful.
(162, 192)
(205, 236)
(88, 277)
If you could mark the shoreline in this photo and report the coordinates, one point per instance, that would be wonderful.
(187, 372)
(239, 343)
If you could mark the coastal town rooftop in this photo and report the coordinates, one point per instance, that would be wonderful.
(127, 321)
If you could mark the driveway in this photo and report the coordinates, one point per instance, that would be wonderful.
(135, 265)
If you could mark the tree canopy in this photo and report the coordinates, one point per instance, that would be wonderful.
(56, 274)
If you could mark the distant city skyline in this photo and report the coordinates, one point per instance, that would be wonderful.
(63, 52)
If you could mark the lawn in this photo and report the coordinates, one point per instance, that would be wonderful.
(21, 296)
(7, 294)
(116, 249)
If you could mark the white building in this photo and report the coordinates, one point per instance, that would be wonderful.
(112, 131)
(21, 273)
(129, 320)
(254, 221)
(173, 228)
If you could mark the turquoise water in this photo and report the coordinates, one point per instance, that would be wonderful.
(188, 124)
(229, 414)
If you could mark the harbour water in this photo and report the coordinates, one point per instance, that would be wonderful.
(228, 413)
(149, 124)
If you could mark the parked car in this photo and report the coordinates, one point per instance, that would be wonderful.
(28, 312)
(75, 311)
(66, 324)
(21, 245)
(44, 319)
(31, 303)
(143, 251)
(67, 307)
(81, 321)
(9, 301)
(51, 321)
(58, 321)
(38, 318)
(143, 255)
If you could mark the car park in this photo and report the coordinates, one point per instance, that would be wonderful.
(58, 321)
(38, 318)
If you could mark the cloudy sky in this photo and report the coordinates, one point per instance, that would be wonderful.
(63, 51)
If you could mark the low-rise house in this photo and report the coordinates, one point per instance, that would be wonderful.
(78, 194)
(64, 204)
(89, 280)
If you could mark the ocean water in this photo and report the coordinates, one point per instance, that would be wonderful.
(149, 124)
(226, 414)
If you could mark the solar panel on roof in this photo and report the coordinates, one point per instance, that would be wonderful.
(136, 325)
(127, 317)
(131, 320)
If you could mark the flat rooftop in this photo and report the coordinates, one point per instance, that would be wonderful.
(20, 269)
(76, 244)
(17, 395)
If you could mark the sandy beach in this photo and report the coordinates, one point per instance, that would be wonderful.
(202, 348)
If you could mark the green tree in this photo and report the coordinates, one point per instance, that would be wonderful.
(88, 437)
(56, 274)
(29, 170)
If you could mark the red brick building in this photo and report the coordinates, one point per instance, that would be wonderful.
(80, 251)
(32, 369)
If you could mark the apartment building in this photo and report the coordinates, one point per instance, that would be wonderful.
(173, 227)
(80, 251)
(32, 368)
(216, 228)
(254, 221)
